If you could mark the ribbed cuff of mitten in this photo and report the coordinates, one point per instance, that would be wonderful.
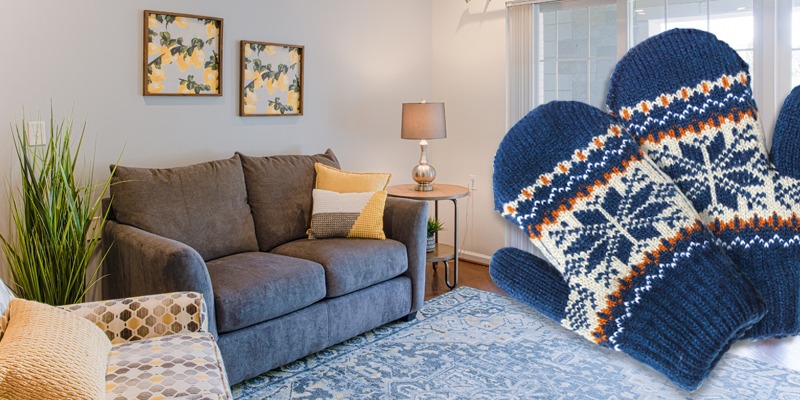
(684, 323)
(530, 280)
(775, 271)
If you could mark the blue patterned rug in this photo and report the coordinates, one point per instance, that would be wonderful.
(469, 344)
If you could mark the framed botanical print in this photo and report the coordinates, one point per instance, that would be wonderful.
(270, 79)
(182, 55)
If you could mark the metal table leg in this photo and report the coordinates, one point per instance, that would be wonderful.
(455, 251)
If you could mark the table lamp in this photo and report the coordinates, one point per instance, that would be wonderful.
(423, 121)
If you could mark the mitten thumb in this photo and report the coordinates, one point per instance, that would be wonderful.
(786, 138)
(530, 280)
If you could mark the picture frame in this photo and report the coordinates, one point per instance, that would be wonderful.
(182, 54)
(270, 79)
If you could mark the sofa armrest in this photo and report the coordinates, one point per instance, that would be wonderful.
(140, 263)
(406, 221)
(144, 317)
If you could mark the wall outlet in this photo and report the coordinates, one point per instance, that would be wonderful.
(37, 133)
(473, 182)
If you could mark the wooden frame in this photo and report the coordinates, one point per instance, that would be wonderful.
(179, 48)
(273, 71)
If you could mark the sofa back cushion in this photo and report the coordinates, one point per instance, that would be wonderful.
(202, 205)
(279, 191)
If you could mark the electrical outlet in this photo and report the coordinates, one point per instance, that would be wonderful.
(37, 133)
(473, 182)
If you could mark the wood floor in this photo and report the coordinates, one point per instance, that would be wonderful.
(469, 274)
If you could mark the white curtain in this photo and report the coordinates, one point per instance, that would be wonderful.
(521, 87)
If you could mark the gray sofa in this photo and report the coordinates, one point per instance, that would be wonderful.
(235, 231)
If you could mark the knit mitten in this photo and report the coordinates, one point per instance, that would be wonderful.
(785, 153)
(685, 96)
(631, 267)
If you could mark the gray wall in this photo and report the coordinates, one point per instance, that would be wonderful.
(363, 59)
(469, 75)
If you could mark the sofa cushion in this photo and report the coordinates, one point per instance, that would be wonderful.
(279, 191)
(49, 353)
(254, 287)
(347, 215)
(185, 365)
(202, 205)
(350, 264)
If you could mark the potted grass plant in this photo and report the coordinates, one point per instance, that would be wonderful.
(434, 225)
(56, 218)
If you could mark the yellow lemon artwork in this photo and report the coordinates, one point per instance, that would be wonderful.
(271, 79)
(182, 55)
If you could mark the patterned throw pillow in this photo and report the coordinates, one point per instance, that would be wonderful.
(336, 180)
(347, 215)
(48, 353)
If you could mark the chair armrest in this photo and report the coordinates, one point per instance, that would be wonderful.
(144, 317)
(406, 221)
(140, 263)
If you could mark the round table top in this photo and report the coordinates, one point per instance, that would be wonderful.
(440, 191)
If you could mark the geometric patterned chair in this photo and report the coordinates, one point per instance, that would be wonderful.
(161, 347)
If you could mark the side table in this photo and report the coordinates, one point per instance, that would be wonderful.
(442, 252)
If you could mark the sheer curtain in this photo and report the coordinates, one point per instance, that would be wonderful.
(520, 87)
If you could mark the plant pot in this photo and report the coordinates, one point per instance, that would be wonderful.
(431, 245)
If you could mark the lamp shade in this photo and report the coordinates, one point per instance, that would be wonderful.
(423, 121)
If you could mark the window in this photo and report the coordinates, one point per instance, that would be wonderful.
(729, 20)
(577, 43)
(579, 51)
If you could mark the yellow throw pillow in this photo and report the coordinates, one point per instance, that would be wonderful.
(336, 180)
(48, 353)
(347, 215)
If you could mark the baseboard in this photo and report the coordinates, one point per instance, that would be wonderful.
(473, 257)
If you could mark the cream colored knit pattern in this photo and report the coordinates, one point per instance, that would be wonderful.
(137, 318)
(48, 353)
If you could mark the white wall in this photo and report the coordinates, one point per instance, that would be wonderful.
(363, 59)
(469, 76)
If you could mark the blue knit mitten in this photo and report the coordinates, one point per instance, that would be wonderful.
(685, 96)
(631, 267)
(786, 138)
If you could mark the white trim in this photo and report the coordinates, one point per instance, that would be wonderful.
(475, 258)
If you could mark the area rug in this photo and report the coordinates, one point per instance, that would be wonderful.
(470, 344)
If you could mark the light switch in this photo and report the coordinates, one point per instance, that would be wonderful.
(37, 133)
